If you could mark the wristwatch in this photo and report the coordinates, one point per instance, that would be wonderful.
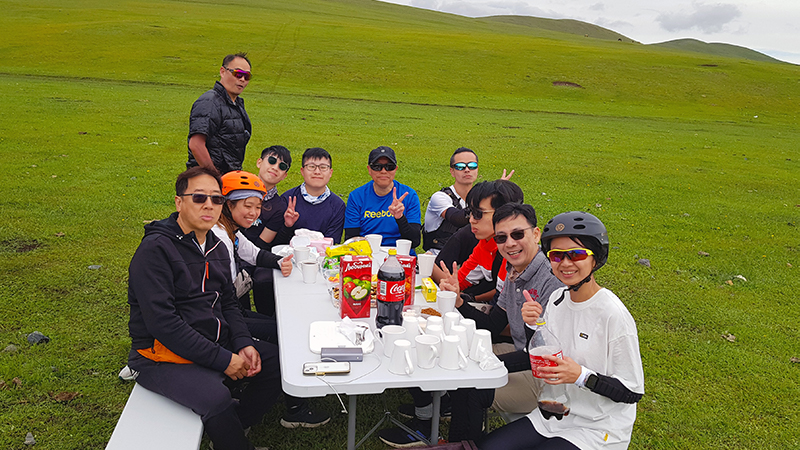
(591, 381)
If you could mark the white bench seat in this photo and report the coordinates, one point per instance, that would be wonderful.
(153, 422)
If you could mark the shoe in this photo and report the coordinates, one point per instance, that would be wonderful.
(128, 374)
(400, 438)
(305, 417)
(407, 410)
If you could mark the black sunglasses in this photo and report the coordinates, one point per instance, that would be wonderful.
(201, 198)
(516, 235)
(478, 213)
(462, 165)
(378, 167)
(273, 160)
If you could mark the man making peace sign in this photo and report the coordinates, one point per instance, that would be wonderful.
(383, 206)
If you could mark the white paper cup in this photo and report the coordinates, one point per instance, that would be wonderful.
(461, 332)
(469, 324)
(301, 254)
(388, 335)
(427, 350)
(374, 242)
(425, 261)
(450, 319)
(481, 344)
(452, 357)
(309, 270)
(403, 247)
(401, 362)
(446, 301)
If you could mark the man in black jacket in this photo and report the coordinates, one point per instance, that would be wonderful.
(219, 127)
(189, 341)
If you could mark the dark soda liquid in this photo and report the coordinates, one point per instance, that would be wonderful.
(390, 312)
(553, 409)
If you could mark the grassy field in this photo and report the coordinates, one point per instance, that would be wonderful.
(680, 154)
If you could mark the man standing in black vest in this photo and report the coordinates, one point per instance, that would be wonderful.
(219, 127)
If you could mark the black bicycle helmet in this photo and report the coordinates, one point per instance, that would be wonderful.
(581, 225)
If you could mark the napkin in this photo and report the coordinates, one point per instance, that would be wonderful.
(357, 333)
(490, 361)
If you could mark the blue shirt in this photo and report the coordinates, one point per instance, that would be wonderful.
(326, 217)
(370, 213)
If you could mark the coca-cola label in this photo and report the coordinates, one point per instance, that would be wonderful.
(391, 291)
(538, 361)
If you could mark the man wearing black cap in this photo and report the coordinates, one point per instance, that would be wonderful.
(383, 206)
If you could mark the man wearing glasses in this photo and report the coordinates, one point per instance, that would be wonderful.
(383, 206)
(219, 127)
(446, 211)
(312, 205)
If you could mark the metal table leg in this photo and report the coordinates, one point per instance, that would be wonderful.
(437, 403)
(351, 422)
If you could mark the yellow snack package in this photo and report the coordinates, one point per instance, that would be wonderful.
(338, 250)
(361, 247)
(429, 290)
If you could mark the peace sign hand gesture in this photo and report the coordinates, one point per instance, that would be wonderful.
(397, 208)
(291, 215)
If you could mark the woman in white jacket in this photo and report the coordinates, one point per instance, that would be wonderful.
(601, 367)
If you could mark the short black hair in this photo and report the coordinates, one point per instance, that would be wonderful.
(461, 150)
(500, 191)
(316, 153)
(182, 183)
(228, 58)
(513, 210)
(280, 152)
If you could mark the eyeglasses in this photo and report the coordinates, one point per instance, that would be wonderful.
(321, 167)
(201, 198)
(516, 235)
(378, 167)
(239, 73)
(273, 160)
(574, 254)
(477, 214)
(461, 166)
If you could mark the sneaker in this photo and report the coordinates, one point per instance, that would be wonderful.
(400, 438)
(407, 410)
(128, 374)
(305, 418)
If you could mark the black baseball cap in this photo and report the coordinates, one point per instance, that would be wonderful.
(383, 150)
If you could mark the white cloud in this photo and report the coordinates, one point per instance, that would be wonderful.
(706, 18)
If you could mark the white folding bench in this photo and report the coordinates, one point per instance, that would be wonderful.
(153, 422)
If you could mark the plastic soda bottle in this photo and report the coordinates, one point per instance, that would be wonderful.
(553, 399)
(391, 291)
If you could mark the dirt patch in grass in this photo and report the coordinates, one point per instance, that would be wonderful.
(567, 84)
(19, 245)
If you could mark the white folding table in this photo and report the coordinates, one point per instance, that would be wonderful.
(299, 304)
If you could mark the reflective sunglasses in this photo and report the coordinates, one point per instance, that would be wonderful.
(321, 167)
(461, 166)
(516, 235)
(477, 214)
(239, 73)
(273, 160)
(574, 254)
(201, 198)
(378, 167)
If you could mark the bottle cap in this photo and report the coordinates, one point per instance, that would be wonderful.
(392, 252)
(540, 321)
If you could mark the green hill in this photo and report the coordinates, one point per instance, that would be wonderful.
(716, 49)
(570, 26)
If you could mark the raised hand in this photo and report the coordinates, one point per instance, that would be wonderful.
(507, 177)
(531, 309)
(291, 215)
(286, 265)
(397, 208)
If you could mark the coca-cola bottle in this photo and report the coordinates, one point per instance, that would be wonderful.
(391, 292)
(553, 399)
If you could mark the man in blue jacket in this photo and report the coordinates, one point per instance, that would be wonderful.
(189, 341)
(219, 127)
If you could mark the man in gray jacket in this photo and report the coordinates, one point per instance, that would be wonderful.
(219, 127)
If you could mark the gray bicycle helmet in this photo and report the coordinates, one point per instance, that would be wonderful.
(581, 225)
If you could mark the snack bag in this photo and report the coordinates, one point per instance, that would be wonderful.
(409, 264)
(355, 283)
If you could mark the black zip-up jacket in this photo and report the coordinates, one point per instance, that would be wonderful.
(184, 297)
(226, 126)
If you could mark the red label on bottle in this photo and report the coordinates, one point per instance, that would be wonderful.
(537, 361)
(391, 291)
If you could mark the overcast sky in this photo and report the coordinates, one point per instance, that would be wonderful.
(768, 26)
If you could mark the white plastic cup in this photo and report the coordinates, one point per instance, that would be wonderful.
(469, 324)
(401, 363)
(425, 261)
(481, 344)
(450, 319)
(446, 301)
(309, 270)
(388, 335)
(461, 332)
(403, 247)
(301, 254)
(452, 357)
(427, 350)
(374, 242)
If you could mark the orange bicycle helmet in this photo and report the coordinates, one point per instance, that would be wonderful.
(241, 180)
